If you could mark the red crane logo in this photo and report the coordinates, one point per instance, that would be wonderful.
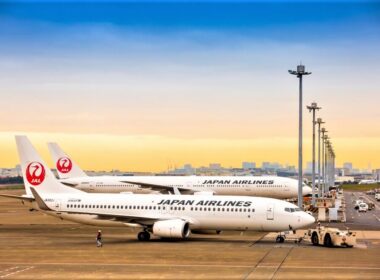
(64, 165)
(35, 173)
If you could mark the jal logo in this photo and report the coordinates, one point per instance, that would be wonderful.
(64, 165)
(35, 173)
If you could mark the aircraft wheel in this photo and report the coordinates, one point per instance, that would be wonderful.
(143, 236)
(280, 239)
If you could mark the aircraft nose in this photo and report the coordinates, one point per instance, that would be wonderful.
(306, 190)
(307, 219)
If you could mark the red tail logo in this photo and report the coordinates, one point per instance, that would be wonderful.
(64, 165)
(35, 173)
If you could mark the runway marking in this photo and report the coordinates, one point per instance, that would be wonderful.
(377, 218)
(17, 271)
(198, 265)
(8, 269)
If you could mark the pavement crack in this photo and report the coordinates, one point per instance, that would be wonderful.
(279, 266)
(258, 263)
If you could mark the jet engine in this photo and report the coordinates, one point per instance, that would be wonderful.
(171, 228)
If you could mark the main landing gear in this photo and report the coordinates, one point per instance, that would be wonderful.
(143, 236)
(280, 239)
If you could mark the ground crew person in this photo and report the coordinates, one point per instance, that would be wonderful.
(99, 239)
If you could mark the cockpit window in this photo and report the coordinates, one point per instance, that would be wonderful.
(291, 210)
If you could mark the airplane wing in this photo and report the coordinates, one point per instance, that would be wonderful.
(157, 187)
(134, 220)
(73, 185)
(26, 198)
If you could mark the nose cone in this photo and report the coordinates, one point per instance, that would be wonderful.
(307, 219)
(306, 190)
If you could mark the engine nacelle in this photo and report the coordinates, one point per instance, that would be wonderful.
(171, 228)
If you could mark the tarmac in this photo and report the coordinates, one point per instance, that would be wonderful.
(34, 245)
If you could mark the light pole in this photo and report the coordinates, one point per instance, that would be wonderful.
(323, 131)
(326, 142)
(312, 108)
(327, 163)
(299, 73)
(319, 122)
(333, 167)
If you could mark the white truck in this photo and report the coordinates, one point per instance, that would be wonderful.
(377, 196)
(330, 237)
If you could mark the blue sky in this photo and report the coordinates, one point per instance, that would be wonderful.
(193, 70)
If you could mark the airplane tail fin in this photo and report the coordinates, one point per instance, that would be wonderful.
(35, 172)
(66, 167)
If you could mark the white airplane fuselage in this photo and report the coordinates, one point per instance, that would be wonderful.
(263, 186)
(202, 212)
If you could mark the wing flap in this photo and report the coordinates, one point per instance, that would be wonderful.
(157, 187)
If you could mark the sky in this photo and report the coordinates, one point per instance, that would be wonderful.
(144, 86)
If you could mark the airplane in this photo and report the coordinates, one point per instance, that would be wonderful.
(367, 182)
(165, 216)
(72, 175)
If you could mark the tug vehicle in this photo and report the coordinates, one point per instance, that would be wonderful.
(330, 237)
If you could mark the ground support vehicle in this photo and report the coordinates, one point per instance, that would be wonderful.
(330, 237)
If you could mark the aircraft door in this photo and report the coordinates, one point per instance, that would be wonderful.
(92, 186)
(57, 205)
(270, 212)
